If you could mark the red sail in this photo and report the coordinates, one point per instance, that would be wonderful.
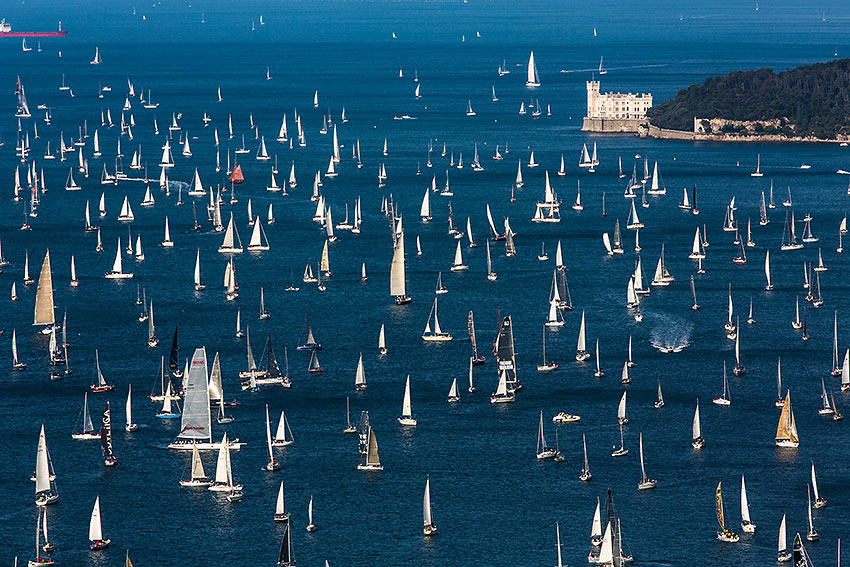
(236, 175)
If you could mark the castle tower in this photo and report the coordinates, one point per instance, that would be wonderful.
(592, 99)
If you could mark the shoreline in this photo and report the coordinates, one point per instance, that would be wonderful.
(651, 131)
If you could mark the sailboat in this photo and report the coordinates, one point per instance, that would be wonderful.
(370, 460)
(819, 502)
(437, 334)
(311, 527)
(532, 77)
(310, 342)
(224, 474)
(696, 430)
(45, 478)
(502, 395)
(585, 475)
(283, 435)
(195, 424)
(622, 451)
(17, 364)
(645, 483)
(40, 524)
(406, 417)
(659, 402)
(198, 477)
(106, 438)
(723, 399)
(783, 554)
(546, 366)
(581, 347)
(96, 539)
(826, 408)
(811, 534)
(360, 375)
(786, 430)
(99, 384)
(87, 432)
(544, 451)
(128, 411)
(117, 272)
(280, 513)
(723, 534)
(428, 527)
(746, 524)
(757, 172)
(273, 464)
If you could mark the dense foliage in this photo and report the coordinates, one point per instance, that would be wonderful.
(809, 100)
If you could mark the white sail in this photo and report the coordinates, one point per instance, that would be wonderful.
(405, 407)
(42, 466)
(695, 428)
(95, 526)
(397, 271)
(606, 551)
(745, 507)
(426, 503)
(581, 345)
(195, 420)
(621, 408)
(532, 78)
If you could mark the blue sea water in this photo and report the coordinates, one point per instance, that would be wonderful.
(493, 501)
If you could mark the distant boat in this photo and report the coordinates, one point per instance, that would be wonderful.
(406, 417)
(428, 526)
(645, 483)
(532, 77)
(786, 430)
(544, 451)
(757, 172)
(696, 430)
(746, 524)
(602, 70)
(97, 59)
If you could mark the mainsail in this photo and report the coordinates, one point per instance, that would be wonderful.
(195, 421)
(44, 295)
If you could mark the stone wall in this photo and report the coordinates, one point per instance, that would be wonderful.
(612, 125)
(665, 134)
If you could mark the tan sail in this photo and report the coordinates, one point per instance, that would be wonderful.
(325, 265)
(372, 458)
(44, 295)
(718, 504)
(786, 430)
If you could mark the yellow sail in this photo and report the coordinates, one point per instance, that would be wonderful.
(325, 266)
(44, 295)
(786, 430)
(128, 563)
(718, 504)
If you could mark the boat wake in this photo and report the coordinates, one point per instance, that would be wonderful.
(614, 68)
(670, 334)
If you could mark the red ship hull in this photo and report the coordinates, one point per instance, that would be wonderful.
(33, 34)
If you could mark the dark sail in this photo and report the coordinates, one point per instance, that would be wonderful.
(285, 558)
(363, 432)
(106, 432)
(611, 517)
(505, 354)
(273, 368)
(800, 556)
(173, 357)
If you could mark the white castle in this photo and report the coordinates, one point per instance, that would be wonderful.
(616, 106)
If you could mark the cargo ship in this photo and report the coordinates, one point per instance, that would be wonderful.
(6, 31)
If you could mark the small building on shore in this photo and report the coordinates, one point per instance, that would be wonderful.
(614, 112)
